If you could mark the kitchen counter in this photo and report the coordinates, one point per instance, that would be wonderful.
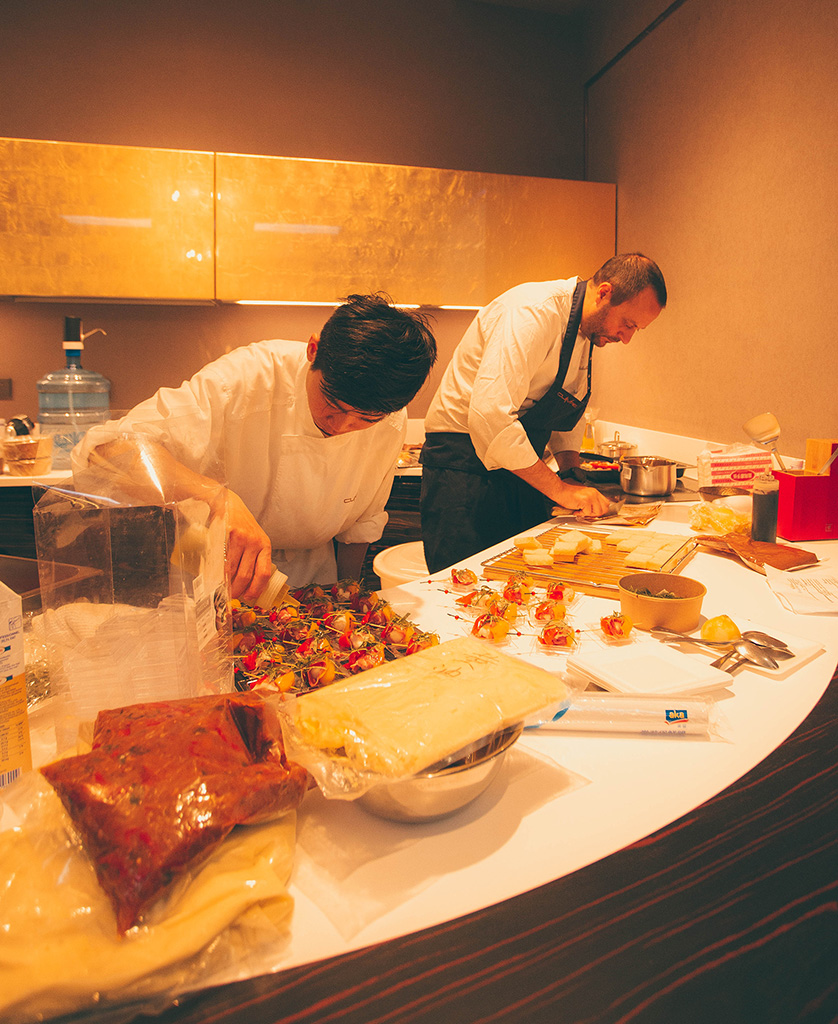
(600, 878)
(726, 914)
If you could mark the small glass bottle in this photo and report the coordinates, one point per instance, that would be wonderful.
(766, 501)
(588, 438)
(275, 590)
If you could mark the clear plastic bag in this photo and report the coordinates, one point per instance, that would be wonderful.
(394, 721)
(165, 782)
(720, 518)
(60, 952)
(144, 616)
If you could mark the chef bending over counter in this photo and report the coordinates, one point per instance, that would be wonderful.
(520, 379)
(304, 439)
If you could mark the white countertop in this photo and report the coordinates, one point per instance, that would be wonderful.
(7, 480)
(561, 801)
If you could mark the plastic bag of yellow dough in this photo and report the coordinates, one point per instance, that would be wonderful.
(59, 947)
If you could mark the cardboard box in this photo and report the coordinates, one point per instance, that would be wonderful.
(15, 749)
(737, 466)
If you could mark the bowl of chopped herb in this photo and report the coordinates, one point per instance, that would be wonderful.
(654, 599)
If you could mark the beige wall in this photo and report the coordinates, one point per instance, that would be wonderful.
(721, 131)
(719, 127)
(442, 83)
(150, 346)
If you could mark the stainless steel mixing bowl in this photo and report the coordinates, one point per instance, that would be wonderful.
(441, 790)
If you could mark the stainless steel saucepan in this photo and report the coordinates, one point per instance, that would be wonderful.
(648, 475)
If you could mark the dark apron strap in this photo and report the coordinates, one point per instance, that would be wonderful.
(557, 409)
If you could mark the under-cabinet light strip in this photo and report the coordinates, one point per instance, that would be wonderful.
(292, 302)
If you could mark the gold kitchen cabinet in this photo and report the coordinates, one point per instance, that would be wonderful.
(114, 222)
(317, 230)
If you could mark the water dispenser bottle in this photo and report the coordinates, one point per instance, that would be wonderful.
(72, 399)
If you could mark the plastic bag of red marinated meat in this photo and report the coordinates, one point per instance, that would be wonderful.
(165, 783)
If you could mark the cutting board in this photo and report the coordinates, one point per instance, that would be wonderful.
(596, 574)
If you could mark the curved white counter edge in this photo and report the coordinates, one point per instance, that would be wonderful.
(562, 801)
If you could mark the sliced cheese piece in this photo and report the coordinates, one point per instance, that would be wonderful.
(638, 560)
(630, 543)
(581, 541)
(615, 538)
(659, 559)
(673, 545)
(395, 720)
(562, 552)
(526, 540)
(644, 550)
(537, 556)
(652, 543)
(595, 547)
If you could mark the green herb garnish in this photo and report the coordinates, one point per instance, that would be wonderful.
(648, 592)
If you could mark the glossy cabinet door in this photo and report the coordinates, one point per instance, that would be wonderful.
(132, 223)
(317, 230)
(114, 222)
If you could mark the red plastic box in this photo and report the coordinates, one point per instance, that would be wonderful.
(808, 502)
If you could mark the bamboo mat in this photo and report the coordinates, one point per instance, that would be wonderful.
(592, 574)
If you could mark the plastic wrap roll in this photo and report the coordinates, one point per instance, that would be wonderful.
(642, 716)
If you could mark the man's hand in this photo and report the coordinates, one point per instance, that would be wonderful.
(587, 500)
(249, 564)
(571, 496)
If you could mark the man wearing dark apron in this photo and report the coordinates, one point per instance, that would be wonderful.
(467, 507)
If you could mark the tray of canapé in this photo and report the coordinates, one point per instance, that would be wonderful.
(592, 560)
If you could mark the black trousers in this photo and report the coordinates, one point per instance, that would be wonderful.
(463, 513)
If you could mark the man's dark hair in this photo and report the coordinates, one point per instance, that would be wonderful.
(374, 356)
(628, 274)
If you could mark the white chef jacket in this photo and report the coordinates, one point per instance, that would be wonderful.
(507, 360)
(244, 420)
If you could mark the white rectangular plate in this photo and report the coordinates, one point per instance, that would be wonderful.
(648, 669)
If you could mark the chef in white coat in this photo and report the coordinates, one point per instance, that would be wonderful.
(305, 438)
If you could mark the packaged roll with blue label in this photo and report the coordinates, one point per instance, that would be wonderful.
(72, 399)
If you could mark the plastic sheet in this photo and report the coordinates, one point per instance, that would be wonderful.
(394, 721)
(60, 952)
(720, 518)
(144, 618)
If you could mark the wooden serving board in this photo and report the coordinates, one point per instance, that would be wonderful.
(596, 574)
